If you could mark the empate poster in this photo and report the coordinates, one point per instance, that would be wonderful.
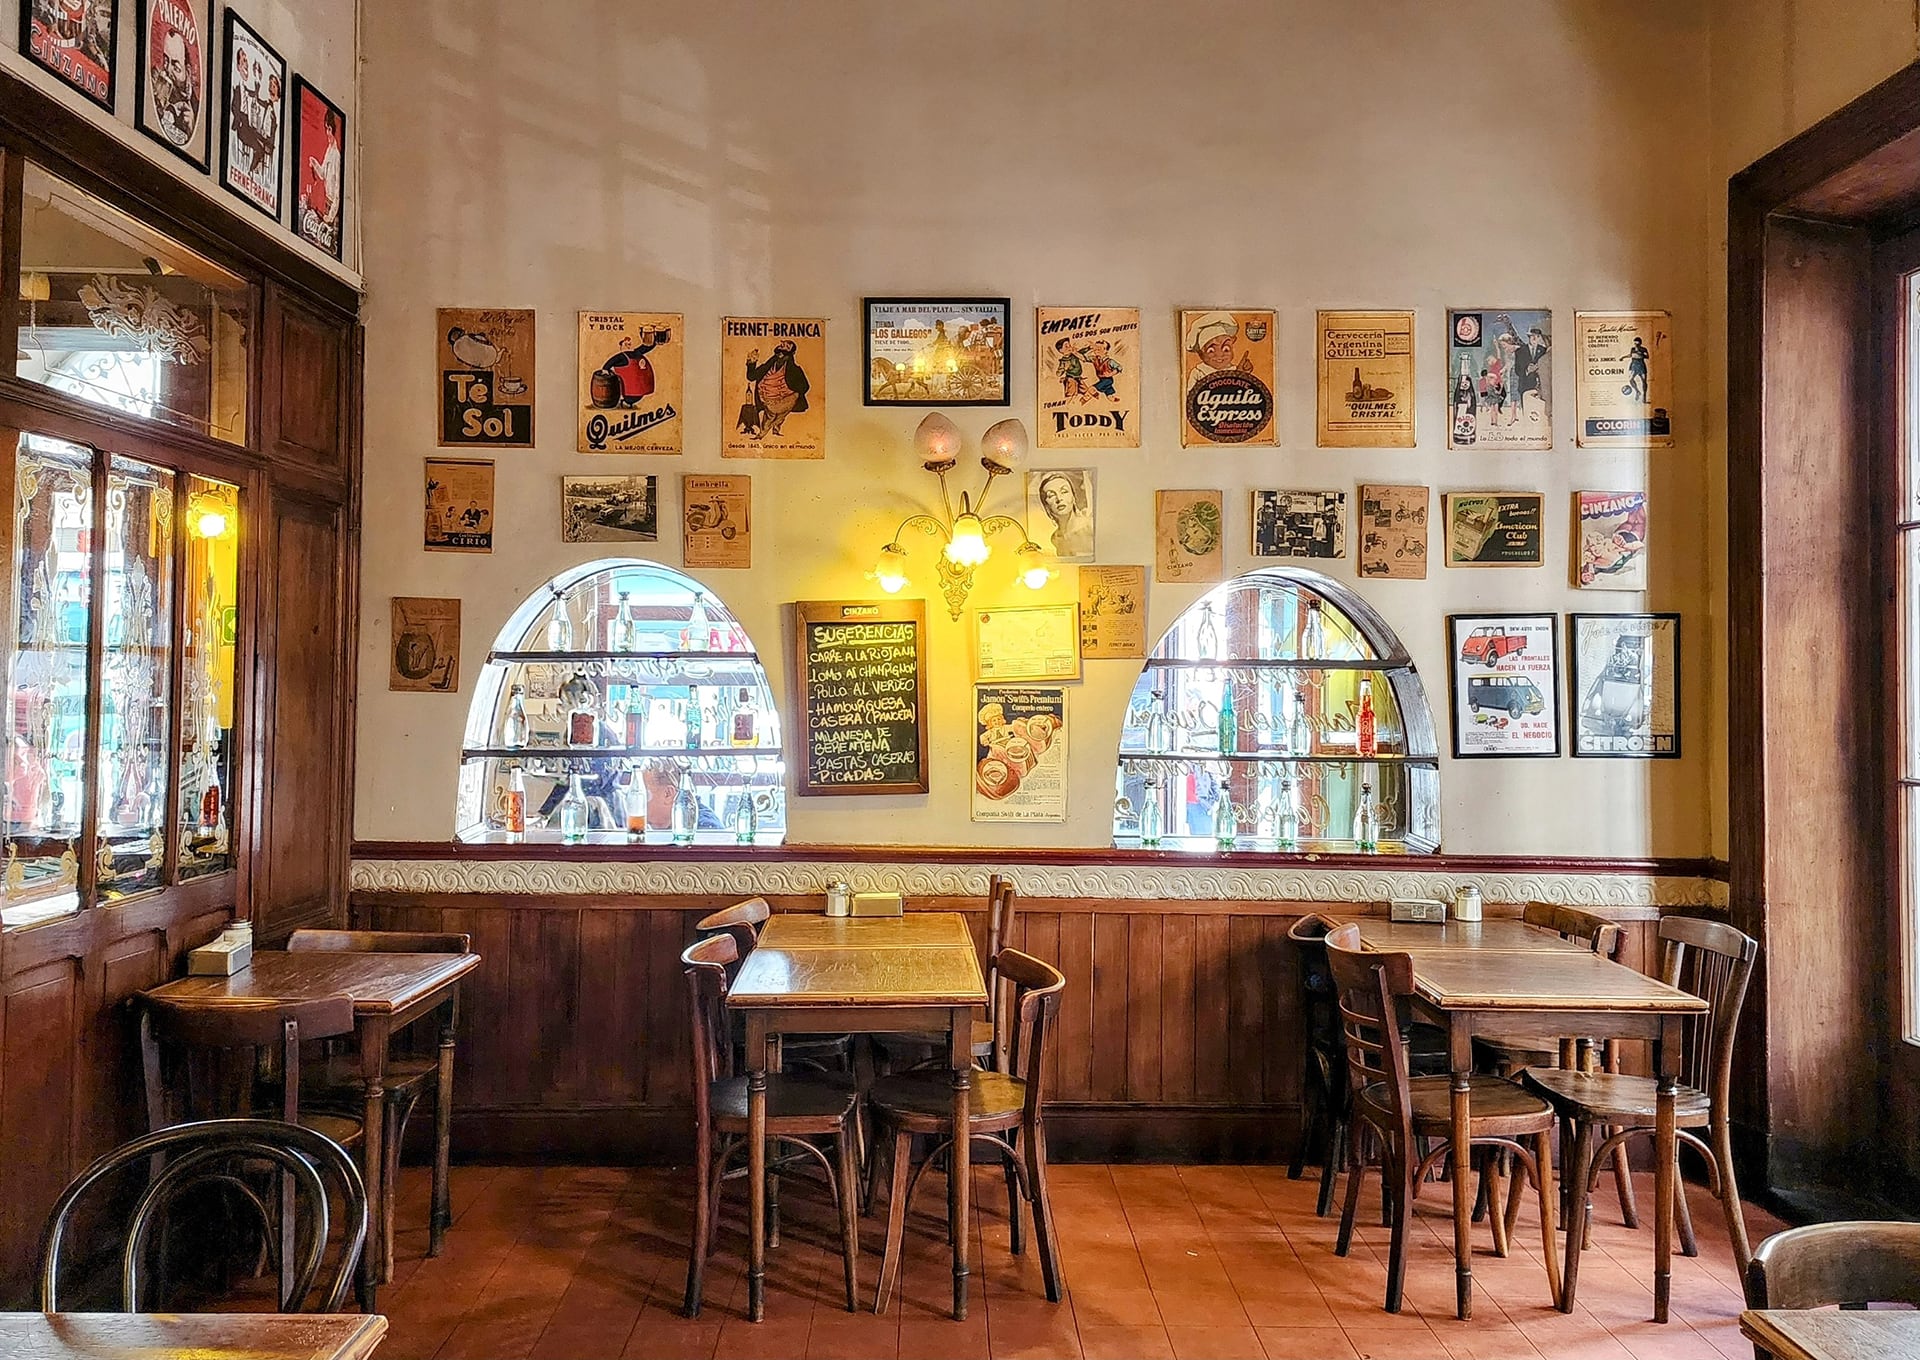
(1624, 367)
(630, 370)
(1020, 753)
(773, 378)
(486, 377)
(1366, 381)
(1089, 377)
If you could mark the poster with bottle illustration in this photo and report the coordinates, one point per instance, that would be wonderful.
(630, 366)
(1610, 540)
(1089, 377)
(1500, 378)
(1623, 368)
(773, 383)
(716, 513)
(459, 505)
(1626, 685)
(1020, 753)
(426, 646)
(1504, 671)
(486, 376)
(1495, 528)
(1113, 612)
(1365, 397)
(1226, 378)
(1392, 528)
(1187, 537)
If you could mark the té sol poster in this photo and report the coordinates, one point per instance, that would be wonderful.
(1226, 378)
(773, 384)
(1089, 377)
(1623, 363)
(1365, 396)
(486, 376)
(630, 367)
(1019, 753)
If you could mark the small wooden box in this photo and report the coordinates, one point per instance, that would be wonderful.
(878, 904)
(1419, 910)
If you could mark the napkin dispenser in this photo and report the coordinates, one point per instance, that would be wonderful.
(225, 954)
(879, 904)
(1420, 910)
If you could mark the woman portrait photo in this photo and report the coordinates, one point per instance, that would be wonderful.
(1060, 503)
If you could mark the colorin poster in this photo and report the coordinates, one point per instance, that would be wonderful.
(609, 510)
(1060, 511)
(486, 377)
(256, 110)
(1495, 528)
(1226, 378)
(1300, 524)
(1392, 526)
(459, 505)
(1020, 753)
(1187, 536)
(172, 73)
(1366, 381)
(773, 379)
(1089, 377)
(1500, 379)
(319, 156)
(1506, 684)
(1113, 612)
(1610, 540)
(1626, 685)
(426, 646)
(74, 39)
(630, 365)
(715, 511)
(1624, 369)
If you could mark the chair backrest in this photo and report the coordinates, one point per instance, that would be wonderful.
(1368, 989)
(1309, 935)
(379, 942)
(1715, 962)
(187, 1157)
(741, 922)
(1028, 1020)
(279, 1027)
(709, 965)
(1001, 908)
(1843, 1263)
(1602, 936)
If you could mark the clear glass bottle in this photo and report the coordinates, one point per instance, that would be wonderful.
(574, 811)
(1300, 727)
(1206, 637)
(696, 737)
(1150, 813)
(686, 809)
(746, 820)
(1313, 634)
(1366, 739)
(1225, 819)
(513, 732)
(1366, 821)
(560, 626)
(1287, 826)
(623, 632)
(743, 719)
(1157, 726)
(513, 818)
(696, 636)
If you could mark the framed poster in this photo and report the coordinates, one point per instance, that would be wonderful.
(486, 376)
(1610, 540)
(1392, 526)
(1226, 378)
(1625, 685)
(1624, 367)
(778, 367)
(631, 365)
(77, 40)
(717, 513)
(609, 510)
(936, 351)
(1495, 528)
(1187, 536)
(860, 681)
(1113, 612)
(253, 143)
(1060, 511)
(1365, 391)
(1300, 524)
(459, 505)
(1500, 379)
(319, 169)
(1504, 681)
(1088, 379)
(170, 76)
(1019, 753)
(1028, 642)
(426, 646)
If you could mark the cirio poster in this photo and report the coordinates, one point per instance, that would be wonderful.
(1089, 377)
(459, 505)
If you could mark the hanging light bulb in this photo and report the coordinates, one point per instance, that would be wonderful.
(938, 440)
(207, 515)
(1034, 571)
(1004, 446)
(890, 572)
(967, 547)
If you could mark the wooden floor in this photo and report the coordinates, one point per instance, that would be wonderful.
(1161, 1261)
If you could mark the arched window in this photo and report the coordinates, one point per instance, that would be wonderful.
(622, 703)
(1249, 727)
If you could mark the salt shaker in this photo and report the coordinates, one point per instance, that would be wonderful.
(839, 899)
(1466, 903)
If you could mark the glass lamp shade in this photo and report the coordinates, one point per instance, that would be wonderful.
(967, 547)
(890, 572)
(938, 440)
(1034, 571)
(1003, 448)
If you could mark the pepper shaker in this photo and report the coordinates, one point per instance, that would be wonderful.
(839, 899)
(1466, 903)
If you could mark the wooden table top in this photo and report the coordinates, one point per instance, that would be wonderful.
(376, 982)
(924, 958)
(1414, 937)
(1537, 980)
(1829, 1334)
(202, 1336)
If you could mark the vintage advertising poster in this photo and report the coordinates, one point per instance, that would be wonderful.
(1020, 753)
(1226, 378)
(1623, 365)
(1032, 642)
(1505, 678)
(1392, 526)
(459, 505)
(255, 137)
(170, 69)
(1113, 612)
(1495, 528)
(936, 352)
(1500, 379)
(773, 378)
(1060, 511)
(1300, 524)
(319, 167)
(631, 365)
(1187, 536)
(715, 510)
(77, 40)
(1610, 540)
(486, 376)
(1366, 381)
(1626, 685)
(426, 646)
(1089, 377)
(609, 510)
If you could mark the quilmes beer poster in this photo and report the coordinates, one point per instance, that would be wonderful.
(1089, 377)
(1500, 379)
(486, 377)
(630, 369)
(776, 369)
(1226, 378)
(1623, 363)
(1366, 381)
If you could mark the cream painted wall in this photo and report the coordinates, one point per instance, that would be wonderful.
(734, 158)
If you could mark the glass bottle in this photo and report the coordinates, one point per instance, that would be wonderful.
(743, 722)
(746, 820)
(696, 636)
(560, 626)
(514, 820)
(573, 811)
(1229, 729)
(1225, 820)
(1366, 821)
(583, 714)
(622, 631)
(1206, 638)
(1150, 814)
(695, 737)
(1466, 402)
(1287, 832)
(1157, 725)
(637, 721)
(513, 732)
(1313, 633)
(686, 809)
(1367, 741)
(1300, 729)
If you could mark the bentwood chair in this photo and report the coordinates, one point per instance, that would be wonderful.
(220, 1154)
(1371, 991)
(930, 1049)
(742, 923)
(1714, 962)
(1822, 1264)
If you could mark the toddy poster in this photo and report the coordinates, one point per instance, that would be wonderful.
(1623, 364)
(486, 377)
(1500, 389)
(776, 368)
(1089, 377)
(1226, 378)
(1366, 381)
(631, 364)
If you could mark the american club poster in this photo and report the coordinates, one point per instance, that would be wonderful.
(172, 76)
(74, 39)
(254, 140)
(319, 167)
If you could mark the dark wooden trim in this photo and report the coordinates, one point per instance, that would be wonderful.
(43, 410)
(1783, 179)
(12, 205)
(75, 936)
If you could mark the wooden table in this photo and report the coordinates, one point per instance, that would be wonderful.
(818, 974)
(1415, 937)
(204, 1336)
(1829, 1334)
(389, 991)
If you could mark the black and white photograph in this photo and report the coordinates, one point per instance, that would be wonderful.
(1060, 511)
(252, 145)
(1626, 685)
(1300, 524)
(609, 510)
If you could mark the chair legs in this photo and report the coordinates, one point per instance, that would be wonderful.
(1730, 1196)
(849, 1214)
(704, 1186)
(896, 1218)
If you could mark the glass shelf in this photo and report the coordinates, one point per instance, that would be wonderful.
(619, 753)
(1305, 849)
(750, 657)
(1276, 758)
(1157, 663)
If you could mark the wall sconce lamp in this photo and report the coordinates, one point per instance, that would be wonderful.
(1002, 449)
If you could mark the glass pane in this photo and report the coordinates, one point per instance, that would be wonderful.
(51, 582)
(207, 635)
(116, 314)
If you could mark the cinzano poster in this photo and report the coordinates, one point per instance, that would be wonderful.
(1610, 540)
(631, 366)
(1089, 377)
(1624, 372)
(1020, 753)
(1365, 398)
(773, 387)
(1187, 537)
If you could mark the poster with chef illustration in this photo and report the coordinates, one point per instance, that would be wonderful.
(486, 377)
(1226, 378)
(1020, 753)
(773, 387)
(1089, 377)
(631, 365)
(1366, 381)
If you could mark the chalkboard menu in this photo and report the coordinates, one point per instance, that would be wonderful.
(861, 675)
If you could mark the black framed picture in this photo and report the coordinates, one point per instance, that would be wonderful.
(170, 76)
(1504, 683)
(319, 169)
(254, 137)
(936, 352)
(1624, 685)
(77, 40)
